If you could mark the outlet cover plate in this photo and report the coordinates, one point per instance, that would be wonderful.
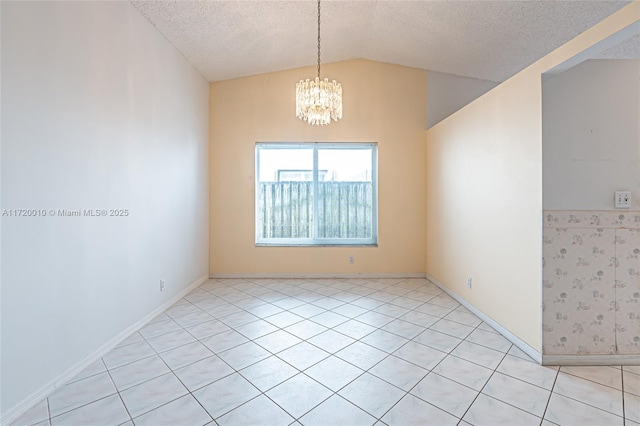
(622, 199)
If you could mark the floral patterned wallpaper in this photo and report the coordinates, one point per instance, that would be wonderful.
(591, 282)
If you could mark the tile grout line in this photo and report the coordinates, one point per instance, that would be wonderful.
(145, 339)
(49, 410)
(118, 393)
(476, 397)
(429, 372)
(235, 371)
(233, 328)
(505, 402)
(336, 393)
(87, 403)
(296, 419)
(624, 414)
(353, 317)
(171, 371)
(408, 340)
(587, 403)
(83, 405)
(365, 371)
(593, 381)
(178, 378)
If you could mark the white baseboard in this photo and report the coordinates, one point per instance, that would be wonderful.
(23, 406)
(310, 276)
(524, 347)
(612, 359)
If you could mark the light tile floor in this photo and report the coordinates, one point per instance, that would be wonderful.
(331, 352)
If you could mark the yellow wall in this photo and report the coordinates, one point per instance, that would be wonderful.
(484, 196)
(382, 103)
(484, 201)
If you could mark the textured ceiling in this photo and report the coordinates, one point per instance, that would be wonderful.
(490, 40)
(628, 49)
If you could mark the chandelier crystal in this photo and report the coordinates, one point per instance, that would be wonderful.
(318, 101)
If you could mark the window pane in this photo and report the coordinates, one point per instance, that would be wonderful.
(316, 194)
(285, 188)
(281, 164)
(345, 194)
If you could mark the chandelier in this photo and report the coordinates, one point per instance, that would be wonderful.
(318, 101)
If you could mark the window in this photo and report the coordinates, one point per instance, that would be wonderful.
(316, 194)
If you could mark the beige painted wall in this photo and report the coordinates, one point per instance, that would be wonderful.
(484, 193)
(484, 200)
(382, 103)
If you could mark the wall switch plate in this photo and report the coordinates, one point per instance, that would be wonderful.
(622, 199)
(469, 282)
(161, 285)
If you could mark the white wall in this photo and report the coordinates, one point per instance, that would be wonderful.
(591, 135)
(447, 93)
(99, 112)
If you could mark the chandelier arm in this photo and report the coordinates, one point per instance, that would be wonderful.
(318, 38)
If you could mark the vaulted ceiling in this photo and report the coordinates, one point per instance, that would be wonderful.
(490, 40)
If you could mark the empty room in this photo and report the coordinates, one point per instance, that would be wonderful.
(330, 213)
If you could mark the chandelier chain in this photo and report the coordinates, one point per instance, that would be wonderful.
(318, 38)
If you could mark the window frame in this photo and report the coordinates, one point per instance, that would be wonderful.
(315, 241)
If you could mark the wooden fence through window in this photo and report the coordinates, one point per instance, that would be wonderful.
(286, 210)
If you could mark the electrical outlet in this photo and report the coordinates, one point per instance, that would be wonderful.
(352, 259)
(469, 282)
(161, 285)
(622, 199)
